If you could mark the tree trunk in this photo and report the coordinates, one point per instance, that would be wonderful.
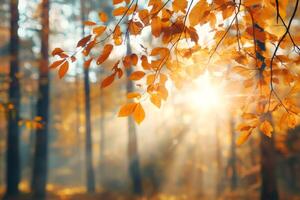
(219, 160)
(90, 175)
(233, 179)
(268, 170)
(39, 179)
(12, 153)
(268, 167)
(102, 134)
(133, 157)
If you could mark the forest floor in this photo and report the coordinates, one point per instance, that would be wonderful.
(111, 196)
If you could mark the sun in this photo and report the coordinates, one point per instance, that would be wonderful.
(206, 95)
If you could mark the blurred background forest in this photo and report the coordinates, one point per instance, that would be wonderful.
(185, 150)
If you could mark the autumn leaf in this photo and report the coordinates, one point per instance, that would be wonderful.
(57, 51)
(103, 16)
(87, 63)
(197, 12)
(137, 75)
(139, 113)
(180, 5)
(89, 23)
(99, 30)
(249, 116)
(243, 137)
(132, 95)
(266, 128)
(119, 11)
(108, 81)
(63, 69)
(156, 100)
(156, 26)
(84, 41)
(291, 120)
(127, 109)
(117, 1)
(105, 53)
(57, 63)
(150, 79)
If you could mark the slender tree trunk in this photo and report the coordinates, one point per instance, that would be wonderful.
(233, 179)
(39, 179)
(12, 153)
(219, 160)
(133, 156)
(102, 133)
(88, 141)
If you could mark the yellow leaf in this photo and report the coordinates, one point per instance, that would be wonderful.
(150, 79)
(266, 128)
(249, 116)
(243, 137)
(156, 100)
(132, 95)
(180, 5)
(127, 109)
(291, 120)
(139, 113)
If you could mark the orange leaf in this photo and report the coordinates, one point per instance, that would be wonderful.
(106, 52)
(57, 51)
(89, 23)
(63, 69)
(132, 95)
(266, 128)
(163, 92)
(145, 63)
(156, 100)
(107, 81)
(180, 5)
(87, 63)
(156, 26)
(243, 137)
(103, 16)
(197, 12)
(117, 1)
(127, 109)
(291, 120)
(134, 59)
(137, 75)
(83, 41)
(99, 30)
(119, 11)
(120, 73)
(150, 79)
(57, 63)
(162, 51)
(139, 113)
